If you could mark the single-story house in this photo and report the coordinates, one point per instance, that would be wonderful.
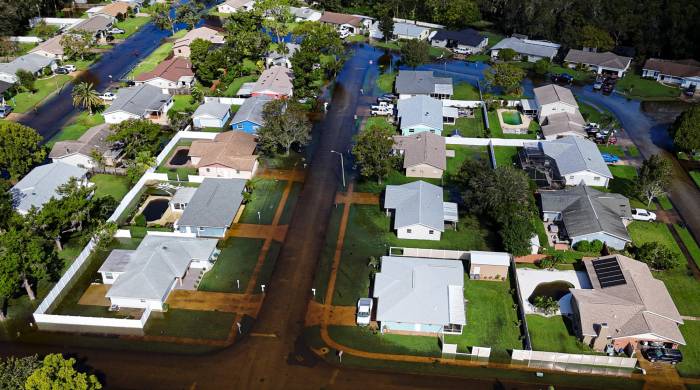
(143, 101)
(181, 47)
(41, 184)
(143, 278)
(528, 49)
(275, 82)
(419, 210)
(233, 6)
(285, 60)
(625, 307)
(249, 116)
(50, 48)
(115, 9)
(587, 214)
(305, 14)
(96, 25)
(420, 113)
(565, 161)
(410, 83)
(182, 198)
(563, 124)
(246, 90)
(228, 155)
(423, 154)
(468, 40)
(681, 72)
(351, 23)
(420, 296)
(79, 152)
(172, 75)
(558, 112)
(211, 114)
(410, 31)
(212, 208)
(488, 265)
(600, 63)
(32, 62)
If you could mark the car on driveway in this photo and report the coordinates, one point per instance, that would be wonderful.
(69, 67)
(610, 158)
(115, 30)
(109, 96)
(667, 355)
(563, 78)
(5, 111)
(61, 70)
(364, 311)
(643, 215)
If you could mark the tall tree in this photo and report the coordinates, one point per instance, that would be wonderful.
(373, 151)
(199, 50)
(26, 80)
(30, 256)
(386, 23)
(21, 149)
(135, 168)
(686, 130)
(189, 14)
(505, 76)
(137, 135)
(594, 37)
(454, 13)
(84, 95)
(245, 36)
(285, 124)
(654, 177)
(162, 17)
(15, 371)
(319, 56)
(76, 44)
(56, 372)
(277, 19)
(657, 256)
(415, 52)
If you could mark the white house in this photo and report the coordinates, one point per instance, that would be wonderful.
(529, 49)
(558, 113)
(211, 114)
(79, 152)
(410, 83)
(419, 211)
(139, 102)
(305, 14)
(353, 24)
(683, 73)
(41, 184)
(600, 63)
(32, 62)
(233, 6)
(410, 31)
(463, 41)
(50, 48)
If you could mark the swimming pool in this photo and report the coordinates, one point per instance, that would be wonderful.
(511, 118)
(155, 209)
(556, 290)
(180, 157)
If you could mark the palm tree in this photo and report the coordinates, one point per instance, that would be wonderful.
(98, 158)
(84, 94)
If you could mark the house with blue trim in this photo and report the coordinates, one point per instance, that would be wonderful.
(249, 116)
(420, 114)
(212, 208)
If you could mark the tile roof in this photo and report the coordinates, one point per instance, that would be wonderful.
(422, 148)
(171, 69)
(94, 138)
(416, 203)
(605, 59)
(420, 110)
(677, 68)
(575, 154)
(214, 204)
(467, 36)
(116, 8)
(232, 149)
(41, 184)
(139, 100)
(421, 82)
(51, 45)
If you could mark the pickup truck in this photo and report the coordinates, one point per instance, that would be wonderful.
(383, 108)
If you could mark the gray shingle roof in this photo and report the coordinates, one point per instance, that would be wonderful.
(422, 82)
(251, 110)
(214, 204)
(408, 29)
(117, 261)
(467, 36)
(422, 148)
(420, 110)
(183, 195)
(552, 93)
(276, 79)
(528, 47)
(564, 122)
(94, 138)
(416, 203)
(585, 210)
(212, 110)
(605, 59)
(156, 263)
(41, 184)
(95, 24)
(139, 100)
(30, 62)
(420, 291)
(575, 154)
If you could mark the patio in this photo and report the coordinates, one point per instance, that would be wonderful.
(529, 279)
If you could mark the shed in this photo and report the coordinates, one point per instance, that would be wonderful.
(488, 265)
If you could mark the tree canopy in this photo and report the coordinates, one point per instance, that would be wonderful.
(137, 135)
(15, 371)
(594, 37)
(686, 130)
(56, 372)
(657, 256)
(654, 177)
(415, 52)
(505, 76)
(21, 150)
(373, 151)
(286, 124)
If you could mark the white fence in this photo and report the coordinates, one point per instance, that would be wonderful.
(430, 253)
(417, 23)
(597, 364)
(462, 103)
(61, 22)
(485, 141)
(225, 100)
(26, 39)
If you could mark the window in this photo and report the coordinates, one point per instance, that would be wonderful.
(108, 275)
(200, 228)
(571, 178)
(408, 231)
(596, 178)
(431, 231)
(208, 169)
(452, 328)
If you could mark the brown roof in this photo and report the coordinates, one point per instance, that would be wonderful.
(606, 59)
(277, 79)
(113, 9)
(233, 149)
(171, 69)
(423, 148)
(206, 33)
(51, 45)
(552, 93)
(678, 68)
(94, 138)
(640, 305)
(336, 18)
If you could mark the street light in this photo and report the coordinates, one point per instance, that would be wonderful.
(342, 165)
(258, 217)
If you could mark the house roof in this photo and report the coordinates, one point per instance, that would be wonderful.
(235, 4)
(421, 82)
(304, 13)
(155, 264)
(409, 29)
(4, 86)
(420, 110)
(422, 148)
(212, 110)
(117, 261)
(51, 45)
(183, 195)
(214, 204)
(605, 59)
(585, 210)
(206, 33)
(232, 149)
(41, 184)
(291, 49)
(677, 68)
(575, 154)
(31, 62)
(489, 258)
(139, 100)
(95, 138)
(94, 24)
(563, 123)
(528, 47)
(276, 79)
(635, 304)
(338, 19)
(114, 9)
(467, 36)
(172, 69)
(416, 203)
(251, 110)
(552, 93)
(420, 291)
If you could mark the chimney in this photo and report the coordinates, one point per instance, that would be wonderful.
(601, 340)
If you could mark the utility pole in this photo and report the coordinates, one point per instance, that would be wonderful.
(342, 165)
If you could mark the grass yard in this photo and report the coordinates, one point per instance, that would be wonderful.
(497, 131)
(323, 269)
(385, 81)
(506, 155)
(465, 91)
(196, 324)
(695, 175)
(394, 178)
(25, 101)
(492, 321)
(467, 127)
(77, 128)
(131, 25)
(463, 153)
(266, 197)
(111, 185)
(579, 75)
(616, 150)
(689, 242)
(636, 87)
(554, 334)
(236, 84)
(183, 102)
(590, 113)
(493, 37)
(624, 182)
(149, 63)
(236, 262)
(691, 352)
(478, 58)
(364, 339)
(268, 266)
(378, 121)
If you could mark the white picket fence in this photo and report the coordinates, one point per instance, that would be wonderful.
(598, 364)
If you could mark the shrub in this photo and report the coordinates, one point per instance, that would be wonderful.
(140, 220)
(583, 246)
(137, 231)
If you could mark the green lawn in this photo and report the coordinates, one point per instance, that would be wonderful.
(635, 87)
(131, 25)
(633, 151)
(465, 91)
(689, 242)
(378, 121)
(497, 131)
(266, 197)
(590, 113)
(268, 266)
(695, 175)
(191, 323)
(25, 101)
(691, 352)
(467, 127)
(236, 84)
(478, 58)
(463, 153)
(643, 232)
(183, 102)
(236, 262)
(77, 128)
(506, 155)
(111, 185)
(493, 37)
(385, 82)
(365, 340)
(149, 63)
(624, 182)
(356, 38)
(554, 334)
(616, 150)
(492, 321)
(579, 75)
(323, 269)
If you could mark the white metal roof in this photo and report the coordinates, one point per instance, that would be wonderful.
(490, 258)
(455, 296)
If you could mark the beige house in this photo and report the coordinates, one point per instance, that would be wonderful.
(229, 155)
(181, 48)
(50, 48)
(488, 265)
(423, 154)
(558, 112)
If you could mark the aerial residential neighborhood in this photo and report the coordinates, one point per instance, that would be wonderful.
(289, 194)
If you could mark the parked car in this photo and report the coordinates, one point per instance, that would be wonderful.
(643, 215)
(109, 96)
(382, 108)
(70, 67)
(610, 158)
(61, 70)
(115, 30)
(668, 355)
(563, 78)
(690, 91)
(383, 99)
(597, 85)
(5, 111)
(364, 311)
(460, 50)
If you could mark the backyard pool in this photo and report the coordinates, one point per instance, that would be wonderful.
(511, 118)
(180, 157)
(556, 290)
(155, 209)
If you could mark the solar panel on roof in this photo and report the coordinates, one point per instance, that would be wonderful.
(608, 272)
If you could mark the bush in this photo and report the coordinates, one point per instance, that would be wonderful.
(594, 246)
(137, 231)
(140, 220)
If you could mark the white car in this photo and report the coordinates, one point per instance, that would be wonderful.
(643, 215)
(109, 96)
(461, 50)
(115, 30)
(364, 311)
(69, 67)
